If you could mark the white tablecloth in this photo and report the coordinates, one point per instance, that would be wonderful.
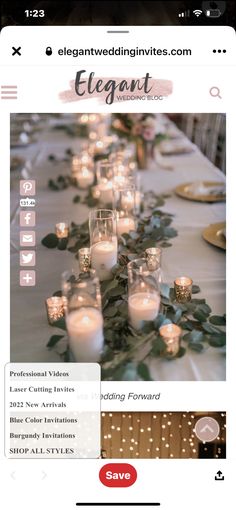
(189, 255)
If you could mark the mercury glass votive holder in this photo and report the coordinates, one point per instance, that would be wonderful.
(171, 334)
(153, 256)
(84, 259)
(62, 230)
(183, 289)
(55, 309)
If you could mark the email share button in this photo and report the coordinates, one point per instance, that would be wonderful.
(27, 238)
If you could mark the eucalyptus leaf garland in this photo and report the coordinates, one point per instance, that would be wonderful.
(154, 228)
(123, 344)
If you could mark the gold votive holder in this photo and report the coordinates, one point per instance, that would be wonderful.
(62, 230)
(55, 309)
(153, 256)
(183, 289)
(171, 334)
(84, 259)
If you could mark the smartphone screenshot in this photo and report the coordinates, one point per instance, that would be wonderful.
(117, 193)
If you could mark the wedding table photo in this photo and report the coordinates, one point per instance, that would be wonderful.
(118, 243)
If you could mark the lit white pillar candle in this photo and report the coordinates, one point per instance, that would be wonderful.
(138, 199)
(106, 191)
(143, 306)
(85, 331)
(84, 178)
(99, 146)
(93, 118)
(101, 129)
(129, 201)
(86, 159)
(103, 258)
(125, 225)
(75, 164)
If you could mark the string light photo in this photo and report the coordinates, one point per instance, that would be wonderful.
(155, 435)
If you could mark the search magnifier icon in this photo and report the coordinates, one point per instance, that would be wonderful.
(215, 92)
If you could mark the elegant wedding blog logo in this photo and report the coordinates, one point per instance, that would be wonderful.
(110, 90)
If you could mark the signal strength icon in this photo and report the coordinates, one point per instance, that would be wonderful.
(185, 14)
(197, 12)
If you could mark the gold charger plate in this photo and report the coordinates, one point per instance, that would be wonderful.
(183, 191)
(214, 234)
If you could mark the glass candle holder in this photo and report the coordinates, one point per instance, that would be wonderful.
(62, 230)
(84, 319)
(153, 256)
(86, 159)
(134, 180)
(100, 145)
(75, 164)
(104, 174)
(124, 205)
(66, 279)
(103, 242)
(171, 334)
(120, 171)
(132, 165)
(183, 289)
(143, 294)
(55, 309)
(82, 160)
(93, 118)
(84, 259)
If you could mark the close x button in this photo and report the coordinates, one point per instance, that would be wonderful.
(16, 51)
(118, 475)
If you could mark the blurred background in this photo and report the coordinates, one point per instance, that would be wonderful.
(207, 131)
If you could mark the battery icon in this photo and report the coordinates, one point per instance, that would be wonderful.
(213, 13)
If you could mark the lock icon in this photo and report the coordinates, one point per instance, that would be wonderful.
(48, 50)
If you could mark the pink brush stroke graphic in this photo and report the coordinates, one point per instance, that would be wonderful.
(159, 88)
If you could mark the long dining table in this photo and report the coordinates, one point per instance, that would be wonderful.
(189, 254)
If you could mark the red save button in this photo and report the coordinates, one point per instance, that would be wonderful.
(118, 475)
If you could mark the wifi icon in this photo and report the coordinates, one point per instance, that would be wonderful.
(197, 12)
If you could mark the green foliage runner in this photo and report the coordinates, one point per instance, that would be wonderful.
(123, 345)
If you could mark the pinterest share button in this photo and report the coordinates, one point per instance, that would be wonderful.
(118, 475)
